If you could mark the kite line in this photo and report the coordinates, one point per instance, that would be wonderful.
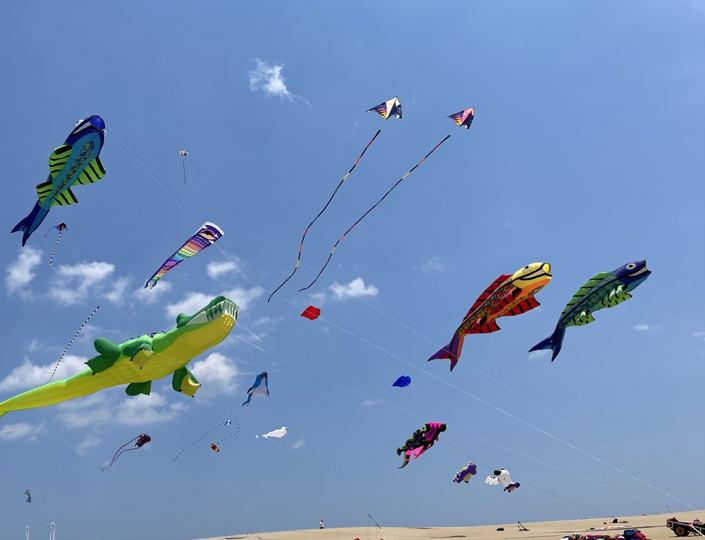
(371, 208)
(320, 213)
(73, 338)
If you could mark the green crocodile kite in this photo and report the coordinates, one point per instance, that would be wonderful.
(140, 361)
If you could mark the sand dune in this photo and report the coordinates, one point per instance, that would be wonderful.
(654, 526)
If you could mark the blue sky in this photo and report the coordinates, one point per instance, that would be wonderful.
(588, 151)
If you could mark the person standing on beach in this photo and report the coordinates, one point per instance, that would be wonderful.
(321, 525)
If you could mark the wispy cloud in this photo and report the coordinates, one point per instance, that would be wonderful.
(355, 289)
(434, 264)
(269, 78)
(87, 444)
(116, 294)
(150, 296)
(372, 402)
(194, 301)
(219, 268)
(298, 444)
(73, 283)
(151, 409)
(20, 273)
(28, 374)
(20, 432)
(642, 327)
(699, 335)
(217, 374)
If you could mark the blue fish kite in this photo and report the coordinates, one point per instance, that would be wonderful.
(261, 386)
(74, 162)
(402, 381)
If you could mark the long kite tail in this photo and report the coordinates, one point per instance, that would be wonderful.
(371, 208)
(193, 443)
(73, 338)
(120, 451)
(320, 213)
(183, 166)
(53, 250)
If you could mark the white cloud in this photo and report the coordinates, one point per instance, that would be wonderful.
(150, 296)
(151, 409)
(270, 79)
(372, 402)
(21, 431)
(20, 273)
(87, 444)
(535, 355)
(433, 265)
(194, 301)
(217, 374)
(218, 268)
(642, 327)
(116, 294)
(355, 289)
(35, 346)
(699, 335)
(74, 282)
(319, 298)
(29, 375)
(298, 444)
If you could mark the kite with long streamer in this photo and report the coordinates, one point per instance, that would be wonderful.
(320, 213)
(371, 208)
(183, 154)
(225, 423)
(133, 444)
(61, 227)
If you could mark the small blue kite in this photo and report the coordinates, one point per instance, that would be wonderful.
(402, 381)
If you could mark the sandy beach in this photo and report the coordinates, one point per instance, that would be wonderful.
(653, 525)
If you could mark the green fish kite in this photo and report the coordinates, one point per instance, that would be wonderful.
(138, 362)
(603, 290)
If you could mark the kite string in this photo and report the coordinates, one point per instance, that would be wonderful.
(371, 208)
(68, 345)
(320, 213)
(53, 249)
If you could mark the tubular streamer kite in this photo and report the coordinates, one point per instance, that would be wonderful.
(420, 441)
(320, 213)
(603, 290)
(183, 154)
(507, 295)
(371, 208)
(207, 235)
(137, 443)
(76, 162)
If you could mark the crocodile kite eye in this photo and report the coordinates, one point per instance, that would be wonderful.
(631, 266)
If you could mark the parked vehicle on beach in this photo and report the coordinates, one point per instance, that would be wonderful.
(684, 528)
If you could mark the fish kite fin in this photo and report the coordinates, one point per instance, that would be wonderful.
(487, 292)
(524, 306)
(489, 327)
(553, 342)
(65, 198)
(137, 388)
(584, 290)
(451, 351)
(616, 297)
(91, 173)
(58, 158)
(30, 223)
(44, 190)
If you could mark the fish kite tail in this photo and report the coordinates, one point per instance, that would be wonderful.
(30, 223)
(451, 351)
(553, 342)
